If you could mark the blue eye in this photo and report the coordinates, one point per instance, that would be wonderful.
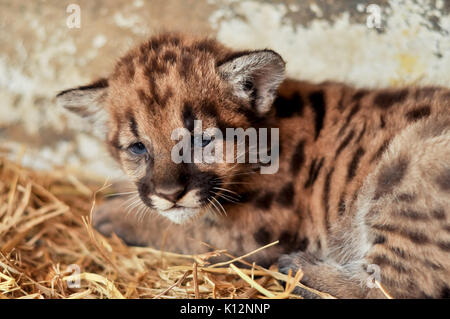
(137, 148)
(198, 140)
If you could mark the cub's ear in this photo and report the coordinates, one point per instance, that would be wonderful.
(254, 76)
(86, 101)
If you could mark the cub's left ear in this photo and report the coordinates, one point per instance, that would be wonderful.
(86, 101)
(255, 76)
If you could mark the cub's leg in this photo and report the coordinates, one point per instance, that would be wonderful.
(399, 233)
(342, 281)
(243, 230)
(147, 230)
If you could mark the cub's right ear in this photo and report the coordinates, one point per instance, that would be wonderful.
(86, 101)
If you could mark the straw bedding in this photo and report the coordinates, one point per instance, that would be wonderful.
(46, 235)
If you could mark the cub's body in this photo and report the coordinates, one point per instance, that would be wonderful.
(363, 178)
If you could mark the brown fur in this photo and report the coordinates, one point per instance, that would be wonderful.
(364, 174)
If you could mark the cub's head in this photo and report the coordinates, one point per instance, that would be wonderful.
(166, 86)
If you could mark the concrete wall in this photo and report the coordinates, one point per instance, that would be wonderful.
(319, 39)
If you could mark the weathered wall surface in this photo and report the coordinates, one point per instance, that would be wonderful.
(319, 39)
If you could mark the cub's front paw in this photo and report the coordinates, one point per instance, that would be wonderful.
(110, 217)
(294, 262)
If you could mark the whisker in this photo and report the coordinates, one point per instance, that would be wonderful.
(227, 190)
(132, 207)
(129, 200)
(217, 209)
(237, 183)
(120, 194)
(225, 212)
(226, 197)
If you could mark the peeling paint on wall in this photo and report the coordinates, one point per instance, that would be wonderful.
(319, 41)
(407, 50)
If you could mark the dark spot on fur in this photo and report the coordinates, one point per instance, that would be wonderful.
(418, 113)
(165, 98)
(265, 200)
(407, 198)
(188, 117)
(341, 204)
(372, 212)
(416, 237)
(186, 65)
(291, 242)
(398, 251)
(157, 66)
(206, 45)
(340, 103)
(209, 109)
(380, 150)
(361, 134)
(170, 57)
(286, 195)
(155, 94)
(288, 107)
(353, 166)
(317, 100)
(379, 239)
(326, 196)
(132, 124)
(382, 260)
(443, 180)
(114, 145)
(411, 214)
(154, 44)
(445, 246)
(432, 265)
(355, 109)
(382, 122)
(385, 227)
(345, 142)
(318, 244)
(149, 74)
(389, 176)
(209, 221)
(298, 158)
(145, 98)
(386, 99)
(262, 236)
(438, 214)
(248, 196)
(314, 170)
(360, 94)
(303, 244)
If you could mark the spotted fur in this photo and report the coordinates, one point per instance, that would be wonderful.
(364, 176)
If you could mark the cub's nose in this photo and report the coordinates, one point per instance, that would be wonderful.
(172, 194)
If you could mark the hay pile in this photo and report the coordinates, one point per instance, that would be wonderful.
(45, 235)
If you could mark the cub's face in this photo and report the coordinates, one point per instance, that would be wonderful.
(159, 100)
